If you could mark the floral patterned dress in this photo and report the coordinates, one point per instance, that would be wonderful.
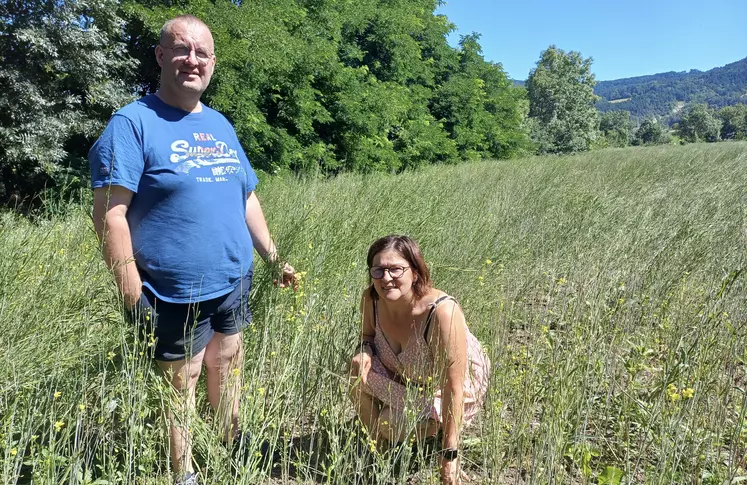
(405, 381)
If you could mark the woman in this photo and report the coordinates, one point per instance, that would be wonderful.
(416, 354)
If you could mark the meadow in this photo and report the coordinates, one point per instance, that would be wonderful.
(608, 287)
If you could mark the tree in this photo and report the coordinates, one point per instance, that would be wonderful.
(479, 106)
(699, 124)
(616, 129)
(561, 101)
(63, 72)
(327, 86)
(734, 119)
(650, 132)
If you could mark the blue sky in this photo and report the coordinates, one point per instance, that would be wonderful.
(625, 38)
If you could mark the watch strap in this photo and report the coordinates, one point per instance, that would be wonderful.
(449, 453)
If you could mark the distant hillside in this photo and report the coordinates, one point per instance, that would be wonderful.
(665, 95)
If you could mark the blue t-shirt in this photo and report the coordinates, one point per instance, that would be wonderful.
(191, 179)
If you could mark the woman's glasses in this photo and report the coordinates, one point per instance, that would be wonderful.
(377, 272)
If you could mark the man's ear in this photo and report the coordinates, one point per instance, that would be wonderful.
(159, 55)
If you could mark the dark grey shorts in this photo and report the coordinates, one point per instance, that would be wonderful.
(184, 329)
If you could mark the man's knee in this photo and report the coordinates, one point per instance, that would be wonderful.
(223, 351)
(182, 374)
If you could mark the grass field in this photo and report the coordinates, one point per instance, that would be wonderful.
(608, 287)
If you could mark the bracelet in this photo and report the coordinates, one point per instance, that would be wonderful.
(364, 343)
(449, 453)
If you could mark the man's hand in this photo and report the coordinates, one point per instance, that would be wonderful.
(131, 295)
(360, 365)
(287, 277)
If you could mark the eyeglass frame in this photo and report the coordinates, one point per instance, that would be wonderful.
(385, 270)
(191, 49)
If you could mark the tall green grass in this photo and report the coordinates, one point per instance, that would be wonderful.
(608, 287)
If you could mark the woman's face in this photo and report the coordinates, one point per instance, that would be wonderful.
(392, 287)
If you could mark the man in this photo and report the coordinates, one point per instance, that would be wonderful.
(175, 208)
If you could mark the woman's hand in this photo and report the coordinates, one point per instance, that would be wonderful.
(450, 474)
(360, 365)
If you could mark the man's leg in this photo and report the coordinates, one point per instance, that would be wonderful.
(183, 375)
(224, 357)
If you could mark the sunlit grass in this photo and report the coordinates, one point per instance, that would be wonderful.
(608, 288)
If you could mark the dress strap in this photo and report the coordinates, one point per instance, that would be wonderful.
(375, 313)
(434, 305)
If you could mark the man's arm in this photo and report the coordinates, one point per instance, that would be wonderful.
(263, 243)
(257, 224)
(110, 206)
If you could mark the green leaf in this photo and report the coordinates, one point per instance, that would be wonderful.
(611, 476)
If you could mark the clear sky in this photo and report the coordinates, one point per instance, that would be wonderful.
(625, 38)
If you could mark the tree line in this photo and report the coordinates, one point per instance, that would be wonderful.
(656, 95)
(311, 86)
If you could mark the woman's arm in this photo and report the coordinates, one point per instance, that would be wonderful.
(368, 332)
(448, 341)
(361, 362)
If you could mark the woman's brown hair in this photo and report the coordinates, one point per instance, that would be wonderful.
(409, 250)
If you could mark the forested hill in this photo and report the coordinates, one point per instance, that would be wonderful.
(664, 95)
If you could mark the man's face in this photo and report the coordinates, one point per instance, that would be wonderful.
(186, 59)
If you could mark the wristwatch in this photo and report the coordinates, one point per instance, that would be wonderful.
(449, 453)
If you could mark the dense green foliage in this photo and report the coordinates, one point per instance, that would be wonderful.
(700, 124)
(734, 120)
(616, 128)
(663, 95)
(650, 132)
(311, 86)
(561, 102)
(63, 70)
(608, 288)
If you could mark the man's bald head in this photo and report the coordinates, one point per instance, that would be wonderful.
(167, 31)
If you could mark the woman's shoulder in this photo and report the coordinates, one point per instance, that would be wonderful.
(444, 305)
(440, 303)
(437, 297)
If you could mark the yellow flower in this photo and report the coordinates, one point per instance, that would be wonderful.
(273, 354)
(13, 451)
(59, 425)
(261, 391)
(688, 393)
(57, 394)
(488, 262)
(110, 356)
(674, 397)
(82, 407)
(236, 372)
